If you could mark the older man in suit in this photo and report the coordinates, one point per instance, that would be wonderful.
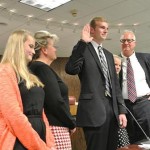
(135, 82)
(100, 101)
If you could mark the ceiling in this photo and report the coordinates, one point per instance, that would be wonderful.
(125, 12)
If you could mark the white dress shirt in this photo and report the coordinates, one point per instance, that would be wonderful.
(141, 85)
(95, 45)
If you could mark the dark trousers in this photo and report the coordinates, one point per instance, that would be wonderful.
(105, 136)
(141, 111)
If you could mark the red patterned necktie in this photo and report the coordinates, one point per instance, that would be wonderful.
(132, 95)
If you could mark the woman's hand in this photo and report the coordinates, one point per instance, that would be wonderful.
(53, 148)
(72, 131)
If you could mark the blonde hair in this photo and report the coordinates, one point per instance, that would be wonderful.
(14, 54)
(41, 40)
(116, 56)
(94, 20)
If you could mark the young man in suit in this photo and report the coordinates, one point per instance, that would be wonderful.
(135, 82)
(100, 101)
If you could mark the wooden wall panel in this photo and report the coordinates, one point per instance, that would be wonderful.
(72, 81)
(77, 139)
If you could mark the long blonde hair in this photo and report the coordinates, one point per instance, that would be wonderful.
(14, 54)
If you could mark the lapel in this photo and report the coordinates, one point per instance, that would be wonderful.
(94, 54)
(121, 74)
(109, 62)
(141, 60)
(121, 77)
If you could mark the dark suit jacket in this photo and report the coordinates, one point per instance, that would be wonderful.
(144, 60)
(84, 62)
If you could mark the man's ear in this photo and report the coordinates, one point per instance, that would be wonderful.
(91, 30)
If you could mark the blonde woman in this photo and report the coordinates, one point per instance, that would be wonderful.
(123, 138)
(56, 92)
(23, 124)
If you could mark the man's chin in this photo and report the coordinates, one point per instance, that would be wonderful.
(126, 53)
(103, 39)
(126, 50)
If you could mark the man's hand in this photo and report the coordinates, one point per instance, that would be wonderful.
(122, 120)
(86, 37)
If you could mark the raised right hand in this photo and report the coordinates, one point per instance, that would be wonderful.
(86, 37)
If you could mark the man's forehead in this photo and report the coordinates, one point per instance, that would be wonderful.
(129, 35)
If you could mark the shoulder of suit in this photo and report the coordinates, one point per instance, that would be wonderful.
(107, 51)
(142, 54)
(104, 49)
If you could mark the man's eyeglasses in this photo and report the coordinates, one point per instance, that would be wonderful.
(128, 40)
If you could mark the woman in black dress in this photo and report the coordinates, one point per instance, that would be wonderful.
(33, 102)
(56, 103)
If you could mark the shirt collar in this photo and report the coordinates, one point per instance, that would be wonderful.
(131, 57)
(95, 44)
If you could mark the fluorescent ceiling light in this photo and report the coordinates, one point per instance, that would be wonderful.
(46, 5)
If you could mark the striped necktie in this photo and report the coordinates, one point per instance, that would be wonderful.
(132, 95)
(105, 71)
